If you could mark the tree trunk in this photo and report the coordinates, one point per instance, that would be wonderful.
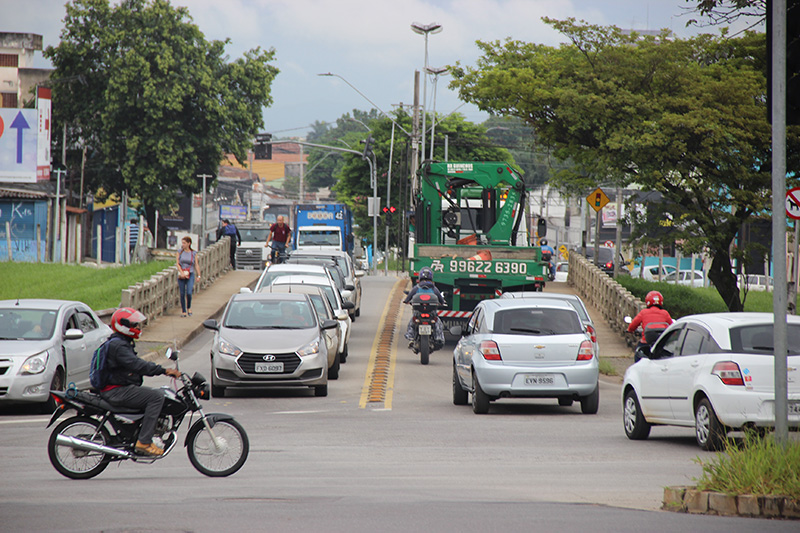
(725, 281)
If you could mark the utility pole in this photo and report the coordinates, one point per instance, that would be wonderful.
(57, 217)
(415, 137)
(202, 244)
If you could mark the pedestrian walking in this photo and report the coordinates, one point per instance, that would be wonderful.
(188, 273)
(229, 230)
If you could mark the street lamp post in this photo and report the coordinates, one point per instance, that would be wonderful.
(425, 29)
(436, 72)
(360, 122)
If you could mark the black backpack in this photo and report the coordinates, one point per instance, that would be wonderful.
(98, 372)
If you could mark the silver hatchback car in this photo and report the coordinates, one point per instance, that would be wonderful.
(269, 340)
(525, 349)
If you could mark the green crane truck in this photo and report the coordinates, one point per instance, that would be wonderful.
(471, 229)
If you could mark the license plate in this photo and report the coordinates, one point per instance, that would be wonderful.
(424, 329)
(794, 408)
(540, 379)
(269, 367)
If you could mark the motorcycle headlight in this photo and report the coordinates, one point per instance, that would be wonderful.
(228, 348)
(34, 364)
(312, 348)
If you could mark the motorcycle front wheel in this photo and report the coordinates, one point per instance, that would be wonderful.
(74, 463)
(223, 457)
(424, 349)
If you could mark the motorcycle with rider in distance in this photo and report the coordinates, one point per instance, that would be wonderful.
(427, 325)
(98, 434)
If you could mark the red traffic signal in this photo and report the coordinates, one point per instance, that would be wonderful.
(389, 210)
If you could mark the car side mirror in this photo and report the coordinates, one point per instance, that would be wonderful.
(211, 324)
(456, 331)
(350, 287)
(346, 294)
(342, 315)
(329, 324)
(360, 273)
(245, 290)
(348, 305)
(73, 334)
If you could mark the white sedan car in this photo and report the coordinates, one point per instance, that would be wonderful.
(713, 372)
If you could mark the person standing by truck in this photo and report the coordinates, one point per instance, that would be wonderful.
(229, 230)
(279, 235)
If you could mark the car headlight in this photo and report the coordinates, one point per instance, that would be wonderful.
(228, 348)
(312, 348)
(34, 364)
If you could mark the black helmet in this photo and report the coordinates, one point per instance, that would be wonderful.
(542, 242)
(425, 274)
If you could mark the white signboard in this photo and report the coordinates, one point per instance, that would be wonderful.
(18, 136)
(45, 109)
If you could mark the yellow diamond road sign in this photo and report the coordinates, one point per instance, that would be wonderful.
(597, 199)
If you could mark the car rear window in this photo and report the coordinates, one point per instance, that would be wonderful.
(537, 321)
(757, 339)
(272, 314)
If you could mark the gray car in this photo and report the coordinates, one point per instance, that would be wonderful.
(523, 349)
(269, 340)
(45, 345)
(572, 299)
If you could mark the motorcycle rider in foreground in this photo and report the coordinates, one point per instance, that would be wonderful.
(125, 377)
(425, 282)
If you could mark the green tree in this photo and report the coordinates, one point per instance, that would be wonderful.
(153, 101)
(685, 118)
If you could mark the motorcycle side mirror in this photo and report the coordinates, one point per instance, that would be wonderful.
(627, 320)
(171, 354)
(405, 292)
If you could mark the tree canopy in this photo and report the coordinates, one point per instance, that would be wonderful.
(685, 118)
(151, 99)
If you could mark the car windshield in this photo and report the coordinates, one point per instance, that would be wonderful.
(758, 339)
(537, 321)
(270, 314)
(27, 324)
(318, 238)
(254, 234)
(271, 275)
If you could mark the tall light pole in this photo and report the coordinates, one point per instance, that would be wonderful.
(351, 119)
(425, 29)
(436, 72)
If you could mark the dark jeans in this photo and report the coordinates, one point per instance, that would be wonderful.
(185, 288)
(148, 400)
(278, 253)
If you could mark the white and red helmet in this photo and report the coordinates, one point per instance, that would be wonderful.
(127, 321)
(654, 298)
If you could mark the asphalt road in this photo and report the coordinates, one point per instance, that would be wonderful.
(416, 463)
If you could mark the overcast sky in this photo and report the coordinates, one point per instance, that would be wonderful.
(370, 42)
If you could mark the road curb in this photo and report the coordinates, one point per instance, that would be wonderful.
(682, 499)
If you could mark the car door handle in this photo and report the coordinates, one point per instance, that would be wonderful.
(664, 369)
(695, 364)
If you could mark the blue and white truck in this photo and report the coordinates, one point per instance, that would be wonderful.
(323, 227)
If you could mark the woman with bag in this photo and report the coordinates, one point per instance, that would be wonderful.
(188, 272)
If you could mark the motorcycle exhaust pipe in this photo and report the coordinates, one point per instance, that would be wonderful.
(81, 444)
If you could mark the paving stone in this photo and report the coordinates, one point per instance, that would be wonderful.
(723, 504)
(747, 505)
(791, 508)
(673, 498)
(771, 506)
(696, 501)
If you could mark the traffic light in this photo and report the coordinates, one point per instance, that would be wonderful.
(263, 150)
(367, 146)
(792, 62)
(388, 213)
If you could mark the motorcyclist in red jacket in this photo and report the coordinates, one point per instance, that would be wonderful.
(653, 317)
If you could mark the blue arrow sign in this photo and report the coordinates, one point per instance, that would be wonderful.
(20, 124)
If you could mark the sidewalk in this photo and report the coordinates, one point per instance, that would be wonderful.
(172, 330)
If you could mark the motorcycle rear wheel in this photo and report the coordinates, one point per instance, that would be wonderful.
(73, 463)
(424, 349)
(231, 455)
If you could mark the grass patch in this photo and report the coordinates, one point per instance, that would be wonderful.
(680, 300)
(606, 368)
(99, 288)
(753, 466)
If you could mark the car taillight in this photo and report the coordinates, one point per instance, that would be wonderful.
(490, 351)
(592, 333)
(728, 372)
(609, 265)
(586, 351)
(424, 315)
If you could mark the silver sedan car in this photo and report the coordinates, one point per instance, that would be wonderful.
(524, 349)
(44, 345)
